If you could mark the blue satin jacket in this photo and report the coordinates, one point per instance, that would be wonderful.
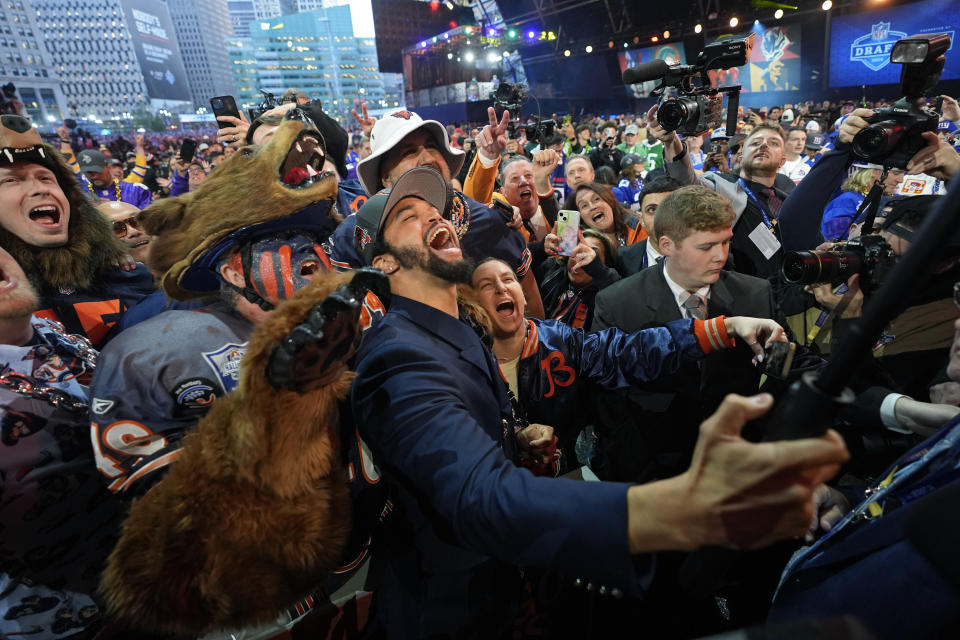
(559, 365)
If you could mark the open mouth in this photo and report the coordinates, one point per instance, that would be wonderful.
(309, 267)
(597, 219)
(46, 215)
(505, 308)
(442, 240)
(141, 243)
(303, 165)
(526, 193)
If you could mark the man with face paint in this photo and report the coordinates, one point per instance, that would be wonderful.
(197, 356)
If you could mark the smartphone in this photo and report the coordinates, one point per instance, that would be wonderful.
(141, 130)
(778, 359)
(938, 105)
(568, 229)
(224, 106)
(714, 148)
(187, 148)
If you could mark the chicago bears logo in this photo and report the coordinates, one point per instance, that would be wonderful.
(361, 238)
(460, 215)
(406, 115)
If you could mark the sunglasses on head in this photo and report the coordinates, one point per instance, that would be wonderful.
(120, 226)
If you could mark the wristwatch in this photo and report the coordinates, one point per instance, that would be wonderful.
(680, 155)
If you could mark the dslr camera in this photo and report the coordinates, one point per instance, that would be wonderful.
(510, 96)
(268, 101)
(870, 256)
(894, 133)
(697, 106)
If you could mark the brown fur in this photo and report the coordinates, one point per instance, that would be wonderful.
(242, 191)
(253, 514)
(91, 248)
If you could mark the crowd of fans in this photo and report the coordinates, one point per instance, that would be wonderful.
(625, 356)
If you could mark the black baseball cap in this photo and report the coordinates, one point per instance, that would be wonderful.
(815, 140)
(422, 182)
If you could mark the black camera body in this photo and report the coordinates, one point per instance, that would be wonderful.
(895, 133)
(268, 102)
(698, 107)
(870, 256)
(510, 96)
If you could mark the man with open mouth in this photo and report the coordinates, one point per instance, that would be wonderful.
(67, 248)
(431, 404)
(402, 140)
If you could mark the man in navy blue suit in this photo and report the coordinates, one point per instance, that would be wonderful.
(431, 404)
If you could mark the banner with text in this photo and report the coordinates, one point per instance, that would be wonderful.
(155, 44)
(860, 44)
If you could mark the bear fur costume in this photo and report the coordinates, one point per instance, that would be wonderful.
(91, 248)
(255, 512)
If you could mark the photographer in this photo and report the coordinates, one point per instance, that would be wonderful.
(607, 154)
(756, 199)
(913, 349)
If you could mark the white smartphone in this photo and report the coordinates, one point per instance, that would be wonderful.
(568, 230)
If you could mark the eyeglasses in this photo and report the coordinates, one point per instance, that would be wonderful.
(120, 226)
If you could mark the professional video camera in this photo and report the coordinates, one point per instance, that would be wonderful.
(870, 256)
(698, 107)
(510, 97)
(894, 134)
(268, 102)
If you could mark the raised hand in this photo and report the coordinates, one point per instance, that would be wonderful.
(366, 121)
(492, 140)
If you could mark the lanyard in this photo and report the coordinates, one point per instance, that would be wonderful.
(763, 212)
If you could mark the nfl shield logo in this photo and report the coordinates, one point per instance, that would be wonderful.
(880, 31)
(225, 362)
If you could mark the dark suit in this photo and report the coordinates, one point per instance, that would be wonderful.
(429, 401)
(649, 432)
(632, 258)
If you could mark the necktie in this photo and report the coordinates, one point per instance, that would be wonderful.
(696, 306)
(773, 203)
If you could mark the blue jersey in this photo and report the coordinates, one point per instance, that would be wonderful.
(628, 193)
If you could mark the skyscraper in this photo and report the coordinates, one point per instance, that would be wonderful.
(273, 8)
(313, 51)
(26, 62)
(92, 52)
(241, 13)
(202, 31)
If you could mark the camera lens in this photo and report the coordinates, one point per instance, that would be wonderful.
(218, 103)
(877, 140)
(672, 114)
(817, 267)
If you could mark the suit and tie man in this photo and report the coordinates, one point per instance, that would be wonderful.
(646, 253)
(649, 433)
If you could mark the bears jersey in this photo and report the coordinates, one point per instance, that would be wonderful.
(95, 312)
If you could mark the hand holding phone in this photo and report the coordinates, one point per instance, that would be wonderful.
(568, 230)
(224, 106)
(187, 148)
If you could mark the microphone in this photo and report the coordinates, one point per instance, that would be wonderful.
(645, 72)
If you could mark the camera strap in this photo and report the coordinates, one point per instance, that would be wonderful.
(871, 204)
